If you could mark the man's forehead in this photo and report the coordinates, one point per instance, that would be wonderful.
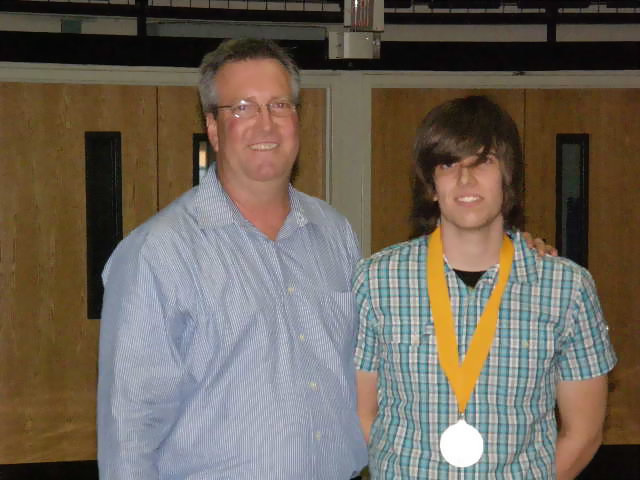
(253, 78)
(235, 68)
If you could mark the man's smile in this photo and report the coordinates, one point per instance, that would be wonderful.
(263, 146)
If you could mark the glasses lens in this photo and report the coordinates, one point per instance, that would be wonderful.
(244, 109)
(282, 108)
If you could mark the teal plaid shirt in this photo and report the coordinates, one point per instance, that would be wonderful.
(550, 329)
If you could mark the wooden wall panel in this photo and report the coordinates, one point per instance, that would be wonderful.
(48, 347)
(311, 161)
(132, 111)
(179, 117)
(612, 119)
(396, 114)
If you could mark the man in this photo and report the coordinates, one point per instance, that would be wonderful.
(228, 329)
(435, 404)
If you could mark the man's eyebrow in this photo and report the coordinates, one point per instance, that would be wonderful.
(252, 99)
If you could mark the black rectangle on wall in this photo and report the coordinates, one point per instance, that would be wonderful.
(103, 167)
(203, 156)
(572, 196)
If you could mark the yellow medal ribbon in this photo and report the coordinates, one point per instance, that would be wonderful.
(463, 378)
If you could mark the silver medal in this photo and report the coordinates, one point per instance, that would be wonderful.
(461, 444)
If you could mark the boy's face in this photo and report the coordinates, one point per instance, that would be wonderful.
(470, 194)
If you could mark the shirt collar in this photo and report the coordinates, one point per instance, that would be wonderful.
(525, 260)
(524, 268)
(214, 208)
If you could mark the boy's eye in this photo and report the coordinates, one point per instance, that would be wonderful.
(488, 160)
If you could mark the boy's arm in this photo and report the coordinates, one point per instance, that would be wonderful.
(367, 391)
(581, 406)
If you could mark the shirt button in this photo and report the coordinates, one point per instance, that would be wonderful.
(301, 337)
(525, 344)
(290, 290)
(318, 435)
(313, 386)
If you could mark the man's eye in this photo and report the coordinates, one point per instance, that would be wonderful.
(244, 109)
(281, 105)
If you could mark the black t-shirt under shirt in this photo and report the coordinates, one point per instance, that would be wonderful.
(469, 278)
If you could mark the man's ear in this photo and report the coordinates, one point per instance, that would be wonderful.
(212, 130)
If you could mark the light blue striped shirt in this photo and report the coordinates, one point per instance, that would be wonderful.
(226, 355)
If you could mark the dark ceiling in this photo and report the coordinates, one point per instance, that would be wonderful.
(152, 50)
(330, 11)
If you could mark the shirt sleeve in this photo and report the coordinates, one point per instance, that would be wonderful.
(140, 370)
(354, 256)
(366, 356)
(586, 351)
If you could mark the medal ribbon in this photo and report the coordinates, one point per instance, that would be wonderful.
(463, 377)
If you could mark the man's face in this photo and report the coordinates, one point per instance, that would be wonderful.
(259, 149)
(470, 195)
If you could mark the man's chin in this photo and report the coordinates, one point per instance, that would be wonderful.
(271, 170)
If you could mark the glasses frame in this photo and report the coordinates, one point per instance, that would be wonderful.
(269, 106)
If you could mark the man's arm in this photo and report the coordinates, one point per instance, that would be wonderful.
(367, 390)
(581, 406)
(140, 371)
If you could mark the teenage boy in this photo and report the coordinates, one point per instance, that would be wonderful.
(468, 340)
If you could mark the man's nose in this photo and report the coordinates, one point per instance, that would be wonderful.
(265, 117)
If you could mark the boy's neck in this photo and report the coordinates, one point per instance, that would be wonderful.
(472, 250)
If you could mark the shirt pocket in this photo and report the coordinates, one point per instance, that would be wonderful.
(409, 350)
(528, 354)
(339, 316)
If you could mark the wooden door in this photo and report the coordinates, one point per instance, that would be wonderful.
(48, 347)
(612, 119)
(396, 114)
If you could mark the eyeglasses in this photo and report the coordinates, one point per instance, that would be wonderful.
(246, 109)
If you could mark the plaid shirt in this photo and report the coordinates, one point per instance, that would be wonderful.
(550, 329)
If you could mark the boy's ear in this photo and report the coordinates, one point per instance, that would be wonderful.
(420, 176)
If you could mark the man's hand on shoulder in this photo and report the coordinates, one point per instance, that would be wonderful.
(539, 245)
